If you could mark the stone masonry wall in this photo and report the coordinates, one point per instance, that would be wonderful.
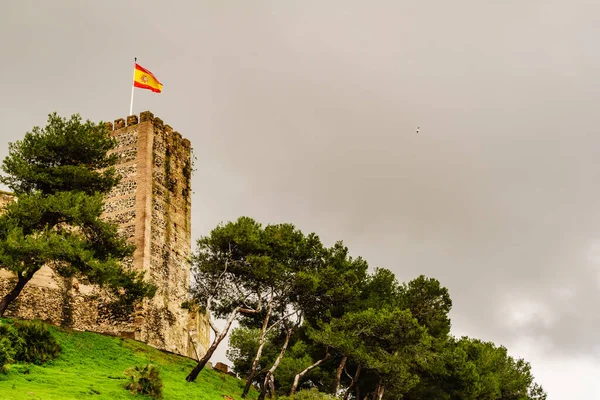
(152, 206)
(5, 198)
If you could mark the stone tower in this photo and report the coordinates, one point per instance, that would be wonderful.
(152, 206)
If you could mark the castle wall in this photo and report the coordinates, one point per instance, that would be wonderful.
(5, 198)
(152, 206)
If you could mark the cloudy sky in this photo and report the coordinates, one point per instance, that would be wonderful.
(307, 111)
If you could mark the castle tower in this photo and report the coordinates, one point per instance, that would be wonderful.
(152, 206)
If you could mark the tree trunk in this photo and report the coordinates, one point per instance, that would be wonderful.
(268, 385)
(338, 374)
(13, 294)
(263, 392)
(275, 364)
(354, 380)
(218, 339)
(261, 345)
(380, 390)
(272, 388)
(307, 370)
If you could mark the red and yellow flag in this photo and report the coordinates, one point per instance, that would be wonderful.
(144, 79)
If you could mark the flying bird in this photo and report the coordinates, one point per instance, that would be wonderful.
(418, 129)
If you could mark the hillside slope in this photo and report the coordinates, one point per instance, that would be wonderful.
(91, 366)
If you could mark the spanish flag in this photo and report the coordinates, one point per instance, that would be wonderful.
(144, 79)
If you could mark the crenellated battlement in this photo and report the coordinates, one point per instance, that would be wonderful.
(147, 116)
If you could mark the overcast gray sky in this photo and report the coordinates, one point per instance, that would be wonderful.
(306, 112)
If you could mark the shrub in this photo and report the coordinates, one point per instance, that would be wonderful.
(145, 380)
(10, 344)
(7, 354)
(38, 344)
(312, 394)
(8, 331)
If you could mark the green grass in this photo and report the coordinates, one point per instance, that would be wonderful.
(91, 366)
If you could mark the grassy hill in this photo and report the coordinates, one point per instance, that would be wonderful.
(91, 366)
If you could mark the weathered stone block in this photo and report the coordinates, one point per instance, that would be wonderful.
(221, 367)
(146, 116)
(119, 123)
(132, 120)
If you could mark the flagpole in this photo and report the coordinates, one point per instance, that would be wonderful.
(132, 87)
